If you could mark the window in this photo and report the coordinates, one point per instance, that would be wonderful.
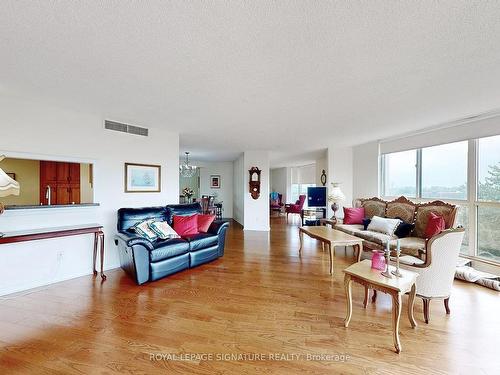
(488, 235)
(400, 174)
(463, 220)
(444, 171)
(489, 169)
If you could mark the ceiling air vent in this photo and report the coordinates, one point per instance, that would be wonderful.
(124, 128)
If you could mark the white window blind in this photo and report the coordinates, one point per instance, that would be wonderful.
(454, 132)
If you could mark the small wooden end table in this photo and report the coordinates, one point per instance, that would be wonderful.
(332, 238)
(363, 274)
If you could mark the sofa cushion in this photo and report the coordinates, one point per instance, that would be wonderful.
(182, 210)
(201, 241)
(164, 249)
(435, 225)
(404, 229)
(413, 246)
(128, 217)
(373, 207)
(204, 222)
(163, 230)
(142, 229)
(401, 208)
(447, 211)
(186, 225)
(354, 215)
(351, 229)
(383, 225)
(366, 222)
(375, 237)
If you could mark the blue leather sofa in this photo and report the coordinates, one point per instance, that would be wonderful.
(145, 261)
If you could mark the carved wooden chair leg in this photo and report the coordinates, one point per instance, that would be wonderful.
(447, 305)
(427, 303)
(374, 296)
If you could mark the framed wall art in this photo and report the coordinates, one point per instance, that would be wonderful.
(215, 181)
(142, 178)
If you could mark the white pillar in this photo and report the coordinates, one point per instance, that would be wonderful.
(256, 211)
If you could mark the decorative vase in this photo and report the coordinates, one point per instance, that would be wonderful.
(335, 207)
(378, 260)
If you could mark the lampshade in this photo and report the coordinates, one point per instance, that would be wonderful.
(336, 194)
(8, 186)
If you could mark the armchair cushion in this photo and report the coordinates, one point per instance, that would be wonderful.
(410, 260)
(413, 246)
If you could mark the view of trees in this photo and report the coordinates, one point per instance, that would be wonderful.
(489, 217)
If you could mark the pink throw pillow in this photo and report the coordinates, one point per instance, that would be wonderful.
(435, 225)
(186, 225)
(204, 222)
(354, 215)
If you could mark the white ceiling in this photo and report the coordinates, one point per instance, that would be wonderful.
(288, 76)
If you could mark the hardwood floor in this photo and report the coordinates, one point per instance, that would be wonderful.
(261, 298)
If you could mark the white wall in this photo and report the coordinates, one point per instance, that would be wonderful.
(39, 130)
(321, 164)
(239, 190)
(225, 193)
(256, 211)
(340, 167)
(280, 181)
(366, 170)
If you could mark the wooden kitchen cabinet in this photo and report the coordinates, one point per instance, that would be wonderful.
(64, 181)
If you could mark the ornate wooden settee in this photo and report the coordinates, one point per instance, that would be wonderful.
(417, 213)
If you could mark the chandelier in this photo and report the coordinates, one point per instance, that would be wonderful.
(185, 169)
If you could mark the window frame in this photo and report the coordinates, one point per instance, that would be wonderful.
(472, 202)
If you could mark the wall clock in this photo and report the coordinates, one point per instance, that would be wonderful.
(254, 182)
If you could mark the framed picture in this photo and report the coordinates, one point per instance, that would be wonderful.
(12, 175)
(142, 178)
(215, 181)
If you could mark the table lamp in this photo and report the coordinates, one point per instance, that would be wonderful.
(335, 196)
(8, 186)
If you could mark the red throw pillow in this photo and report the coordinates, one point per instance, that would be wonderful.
(186, 225)
(435, 225)
(204, 222)
(354, 215)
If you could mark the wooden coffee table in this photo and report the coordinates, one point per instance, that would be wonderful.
(332, 238)
(363, 274)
